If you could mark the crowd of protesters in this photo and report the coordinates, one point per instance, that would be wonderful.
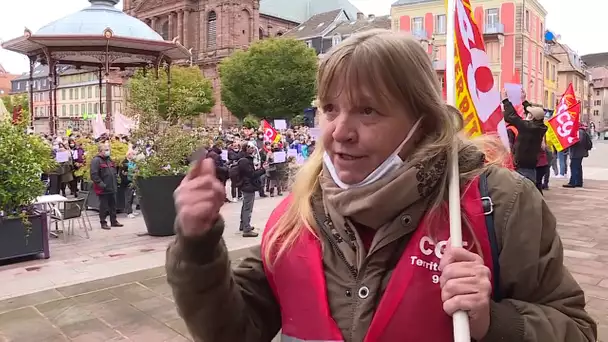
(533, 157)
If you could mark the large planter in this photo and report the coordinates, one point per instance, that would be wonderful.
(17, 241)
(156, 203)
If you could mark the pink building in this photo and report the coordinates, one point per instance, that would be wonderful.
(513, 32)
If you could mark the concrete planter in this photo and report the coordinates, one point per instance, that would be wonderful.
(156, 203)
(15, 241)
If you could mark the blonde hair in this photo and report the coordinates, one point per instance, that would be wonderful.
(402, 75)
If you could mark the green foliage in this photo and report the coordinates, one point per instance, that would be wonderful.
(251, 122)
(297, 120)
(274, 79)
(191, 94)
(118, 149)
(14, 101)
(23, 159)
(172, 148)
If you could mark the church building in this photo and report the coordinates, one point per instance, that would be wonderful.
(213, 29)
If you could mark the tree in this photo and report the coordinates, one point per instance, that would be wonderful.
(17, 101)
(190, 94)
(274, 79)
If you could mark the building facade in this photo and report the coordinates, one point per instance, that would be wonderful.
(599, 98)
(78, 97)
(551, 82)
(326, 30)
(571, 69)
(5, 81)
(213, 29)
(513, 32)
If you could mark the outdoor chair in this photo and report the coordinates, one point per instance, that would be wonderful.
(72, 210)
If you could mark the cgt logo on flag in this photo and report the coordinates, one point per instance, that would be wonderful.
(563, 126)
(476, 96)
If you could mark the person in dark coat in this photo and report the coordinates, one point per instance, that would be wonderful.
(249, 183)
(577, 152)
(531, 132)
(104, 176)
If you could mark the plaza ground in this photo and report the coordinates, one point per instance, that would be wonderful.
(112, 287)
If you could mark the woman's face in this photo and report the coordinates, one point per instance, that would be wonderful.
(360, 136)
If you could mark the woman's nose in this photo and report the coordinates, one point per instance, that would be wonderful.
(344, 128)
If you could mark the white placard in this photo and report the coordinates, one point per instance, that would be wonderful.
(300, 159)
(279, 157)
(62, 156)
(280, 124)
(315, 133)
(75, 154)
(292, 152)
(225, 155)
(514, 93)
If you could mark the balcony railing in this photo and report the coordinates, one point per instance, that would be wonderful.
(420, 34)
(494, 28)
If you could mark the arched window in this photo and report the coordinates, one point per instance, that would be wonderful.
(164, 30)
(279, 34)
(261, 34)
(211, 30)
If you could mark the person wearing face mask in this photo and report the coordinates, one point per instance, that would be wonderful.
(360, 249)
(530, 134)
(105, 184)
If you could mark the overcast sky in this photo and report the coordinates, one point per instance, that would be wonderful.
(578, 24)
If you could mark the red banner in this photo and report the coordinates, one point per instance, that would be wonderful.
(563, 126)
(477, 97)
(270, 134)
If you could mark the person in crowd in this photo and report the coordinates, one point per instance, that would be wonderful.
(105, 184)
(551, 157)
(542, 166)
(250, 182)
(233, 157)
(221, 170)
(530, 133)
(577, 152)
(66, 172)
(360, 249)
(273, 173)
(562, 159)
(79, 160)
(127, 173)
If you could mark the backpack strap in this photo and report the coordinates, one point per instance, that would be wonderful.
(488, 211)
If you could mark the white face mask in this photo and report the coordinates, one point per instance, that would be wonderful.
(392, 163)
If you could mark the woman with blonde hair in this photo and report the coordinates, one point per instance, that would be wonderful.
(359, 251)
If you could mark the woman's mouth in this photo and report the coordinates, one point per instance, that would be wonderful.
(347, 157)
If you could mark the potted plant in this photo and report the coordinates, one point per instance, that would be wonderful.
(23, 159)
(164, 138)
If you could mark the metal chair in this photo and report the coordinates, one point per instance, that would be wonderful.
(85, 195)
(73, 210)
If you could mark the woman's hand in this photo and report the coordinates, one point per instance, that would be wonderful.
(198, 199)
(466, 286)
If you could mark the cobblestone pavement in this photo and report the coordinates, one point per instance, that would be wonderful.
(137, 306)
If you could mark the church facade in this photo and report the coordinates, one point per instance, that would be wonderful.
(213, 29)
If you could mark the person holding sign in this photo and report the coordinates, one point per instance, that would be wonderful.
(360, 249)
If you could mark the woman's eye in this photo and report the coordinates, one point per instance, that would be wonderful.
(368, 111)
(328, 108)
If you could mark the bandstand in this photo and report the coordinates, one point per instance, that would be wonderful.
(102, 38)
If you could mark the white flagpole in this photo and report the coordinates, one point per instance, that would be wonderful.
(460, 319)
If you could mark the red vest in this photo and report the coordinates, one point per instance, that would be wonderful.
(410, 310)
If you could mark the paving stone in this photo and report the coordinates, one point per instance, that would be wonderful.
(31, 299)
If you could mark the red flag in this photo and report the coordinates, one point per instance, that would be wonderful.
(270, 134)
(563, 126)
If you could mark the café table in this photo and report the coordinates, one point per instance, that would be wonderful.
(51, 204)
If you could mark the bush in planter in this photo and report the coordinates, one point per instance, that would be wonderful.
(163, 143)
(23, 159)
